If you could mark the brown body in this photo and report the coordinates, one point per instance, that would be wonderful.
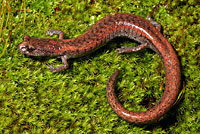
(119, 25)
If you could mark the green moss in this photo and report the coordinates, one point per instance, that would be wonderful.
(34, 100)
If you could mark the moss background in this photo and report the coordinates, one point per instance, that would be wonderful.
(35, 100)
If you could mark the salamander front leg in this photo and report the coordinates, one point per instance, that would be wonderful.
(131, 49)
(52, 32)
(60, 68)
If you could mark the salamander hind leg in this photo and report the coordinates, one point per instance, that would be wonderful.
(60, 68)
(52, 32)
(154, 23)
(131, 49)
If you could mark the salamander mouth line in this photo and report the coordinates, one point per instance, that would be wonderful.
(29, 50)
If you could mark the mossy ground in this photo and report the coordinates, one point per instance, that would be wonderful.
(34, 100)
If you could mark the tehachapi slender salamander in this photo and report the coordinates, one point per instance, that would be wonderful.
(119, 25)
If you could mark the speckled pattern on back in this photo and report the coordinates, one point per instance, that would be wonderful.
(111, 26)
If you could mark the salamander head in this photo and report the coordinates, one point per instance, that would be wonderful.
(34, 47)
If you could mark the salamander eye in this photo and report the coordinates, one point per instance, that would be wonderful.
(30, 47)
(26, 38)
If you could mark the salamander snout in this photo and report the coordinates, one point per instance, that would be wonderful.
(25, 46)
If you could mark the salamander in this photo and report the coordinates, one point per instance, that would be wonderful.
(145, 32)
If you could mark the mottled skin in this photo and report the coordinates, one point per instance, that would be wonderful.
(119, 25)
